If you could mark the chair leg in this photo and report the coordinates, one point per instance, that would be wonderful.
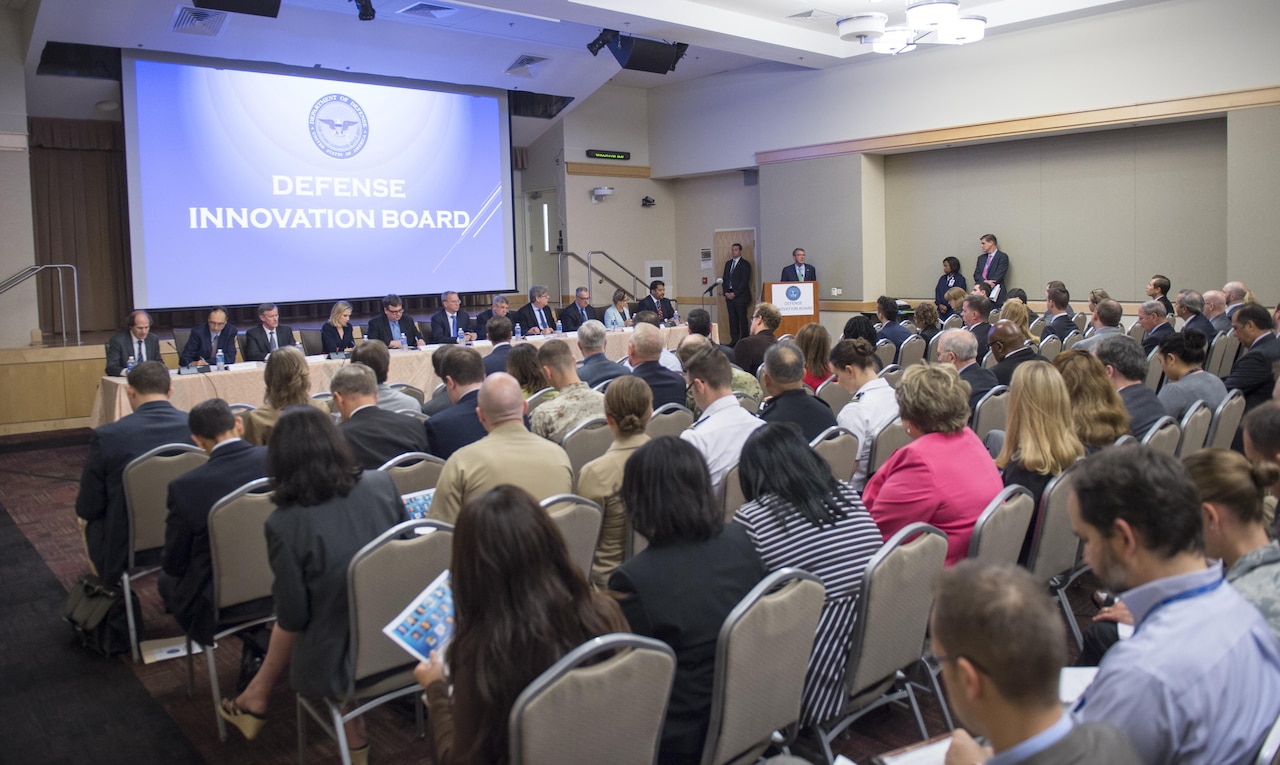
(217, 692)
(1070, 616)
(339, 732)
(418, 715)
(191, 671)
(915, 708)
(828, 756)
(128, 612)
(937, 692)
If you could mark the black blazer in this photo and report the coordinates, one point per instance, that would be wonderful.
(332, 342)
(440, 327)
(738, 282)
(527, 320)
(101, 498)
(1062, 325)
(187, 562)
(122, 345)
(981, 380)
(455, 427)
(811, 413)
(649, 304)
(789, 274)
(597, 368)
(200, 346)
(257, 345)
(482, 323)
(1252, 374)
(1004, 370)
(377, 435)
(999, 269)
(667, 386)
(1153, 338)
(497, 360)
(571, 316)
(1202, 325)
(380, 329)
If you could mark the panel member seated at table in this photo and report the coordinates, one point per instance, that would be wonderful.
(657, 301)
(618, 314)
(134, 340)
(580, 312)
(394, 322)
(267, 335)
(499, 309)
(375, 435)
(449, 320)
(374, 354)
(203, 344)
(535, 318)
(336, 335)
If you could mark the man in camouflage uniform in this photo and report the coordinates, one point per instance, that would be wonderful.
(576, 402)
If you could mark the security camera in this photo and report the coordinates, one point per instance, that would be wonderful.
(647, 202)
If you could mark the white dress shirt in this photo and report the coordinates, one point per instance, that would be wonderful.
(873, 407)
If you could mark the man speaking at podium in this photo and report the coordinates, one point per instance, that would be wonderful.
(799, 272)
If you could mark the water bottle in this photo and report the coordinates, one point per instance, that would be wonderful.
(404, 340)
(221, 361)
(675, 317)
(559, 327)
(128, 366)
(462, 336)
(519, 334)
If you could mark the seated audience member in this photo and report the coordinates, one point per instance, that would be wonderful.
(522, 364)
(1096, 296)
(535, 318)
(919, 482)
(186, 583)
(740, 381)
(1049, 307)
(749, 351)
(644, 350)
(628, 405)
(520, 605)
(665, 357)
(798, 514)
(618, 314)
(1127, 368)
(1158, 290)
(1236, 295)
(1097, 410)
(267, 335)
(1040, 440)
(393, 323)
(508, 454)
(1215, 310)
(926, 320)
(287, 378)
(951, 279)
(859, 327)
(1019, 294)
(890, 329)
(100, 504)
(682, 586)
(374, 354)
(327, 509)
(657, 302)
(376, 435)
(134, 341)
(975, 312)
(1104, 322)
(1252, 374)
(874, 404)
(459, 425)
(580, 312)
(1182, 355)
(998, 640)
(437, 401)
(955, 298)
(1059, 304)
(783, 376)
(1190, 308)
(1199, 681)
(575, 402)
(959, 348)
(595, 367)
(499, 331)
(1151, 316)
(497, 310)
(336, 335)
(1261, 443)
(450, 320)
(1016, 311)
(1010, 349)
(204, 342)
(699, 322)
(719, 432)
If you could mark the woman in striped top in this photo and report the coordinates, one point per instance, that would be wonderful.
(799, 515)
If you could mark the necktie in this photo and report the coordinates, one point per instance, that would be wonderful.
(986, 267)
(800, 273)
(453, 325)
(583, 311)
(542, 319)
(140, 357)
(658, 304)
(272, 335)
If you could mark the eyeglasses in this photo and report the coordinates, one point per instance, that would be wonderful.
(932, 657)
(395, 311)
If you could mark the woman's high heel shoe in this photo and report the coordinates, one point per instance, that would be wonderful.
(246, 722)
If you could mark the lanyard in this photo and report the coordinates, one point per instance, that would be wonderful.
(1187, 595)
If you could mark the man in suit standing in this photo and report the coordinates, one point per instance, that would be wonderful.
(449, 321)
(100, 504)
(580, 312)
(500, 335)
(499, 309)
(799, 271)
(1151, 316)
(1190, 308)
(375, 435)
(186, 583)
(657, 302)
(975, 311)
(1253, 373)
(457, 426)
(203, 344)
(958, 348)
(1011, 350)
(134, 340)
(737, 294)
(394, 322)
(268, 335)
(783, 378)
(992, 268)
(595, 367)
(535, 318)
(643, 352)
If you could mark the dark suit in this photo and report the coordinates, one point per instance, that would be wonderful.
(998, 271)
(647, 303)
(332, 342)
(1221, 323)
(1202, 325)
(667, 386)
(981, 380)
(377, 435)
(200, 345)
(257, 345)
(122, 345)
(482, 323)
(455, 427)
(1144, 409)
(750, 350)
(572, 317)
(1062, 325)
(980, 332)
(187, 581)
(497, 360)
(597, 368)
(528, 320)
(1252, 373)
(441, 332)
(789, 274)
(380, 329)
(737, 279)
(811, 413)
(1004, 370)
(101, 498)
(894, 333)
(1153, 338)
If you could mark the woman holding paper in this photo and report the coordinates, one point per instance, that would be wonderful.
(336, 335)
(520, 605)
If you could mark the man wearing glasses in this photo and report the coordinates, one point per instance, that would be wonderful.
(392, 323)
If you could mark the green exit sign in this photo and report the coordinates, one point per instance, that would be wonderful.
(602, 154)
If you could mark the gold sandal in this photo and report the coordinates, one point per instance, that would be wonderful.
(245, 721)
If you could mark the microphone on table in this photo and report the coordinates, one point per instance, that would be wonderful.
(715, 284)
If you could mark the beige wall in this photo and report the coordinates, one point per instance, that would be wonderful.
(704, 205)
(1253, 200)
(17, 244)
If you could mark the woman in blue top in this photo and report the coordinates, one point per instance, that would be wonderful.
(951, 277)
(617, 315)
(335, 335)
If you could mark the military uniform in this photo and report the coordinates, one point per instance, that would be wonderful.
(575, 404)
(743, 382)
(509, 454)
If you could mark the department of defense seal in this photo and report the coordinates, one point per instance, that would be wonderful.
(338, 126)
(793, 293)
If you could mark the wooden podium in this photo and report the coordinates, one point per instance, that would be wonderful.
(797, 301)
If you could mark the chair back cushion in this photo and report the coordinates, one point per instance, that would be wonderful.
(146, 491)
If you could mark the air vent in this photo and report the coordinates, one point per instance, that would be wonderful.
(199, 22)
(429, 10)
(523, 66)
(812, 16)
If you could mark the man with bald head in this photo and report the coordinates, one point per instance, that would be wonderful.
(1011, 350)
(783, 376)
(508, 454)
(1235, 293)
(1215, 310)
(643, 352)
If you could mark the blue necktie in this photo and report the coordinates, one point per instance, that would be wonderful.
(542, 319)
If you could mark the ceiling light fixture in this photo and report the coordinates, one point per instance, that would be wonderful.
(931, 14)
(966, 29)
(925, 21)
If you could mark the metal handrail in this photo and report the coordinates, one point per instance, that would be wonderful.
(30, 271)
(636, 279)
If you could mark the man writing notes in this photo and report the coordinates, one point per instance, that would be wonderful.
(737, 294)
(393, 323)
(204, 343)
(267, 335)
(134, 340)
(993, 267)
(799, 271)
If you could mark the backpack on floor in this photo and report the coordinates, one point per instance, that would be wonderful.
(96, 613)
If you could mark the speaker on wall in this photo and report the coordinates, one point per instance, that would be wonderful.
(641, 55)
(268, 8)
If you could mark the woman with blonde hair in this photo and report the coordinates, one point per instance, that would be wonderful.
(288, 381)
(815, 344)
(926, 320)
(1097, 410)
(1016, 312)
(955, 298)
(628, 405)
(1097, 295)
(335, 335)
